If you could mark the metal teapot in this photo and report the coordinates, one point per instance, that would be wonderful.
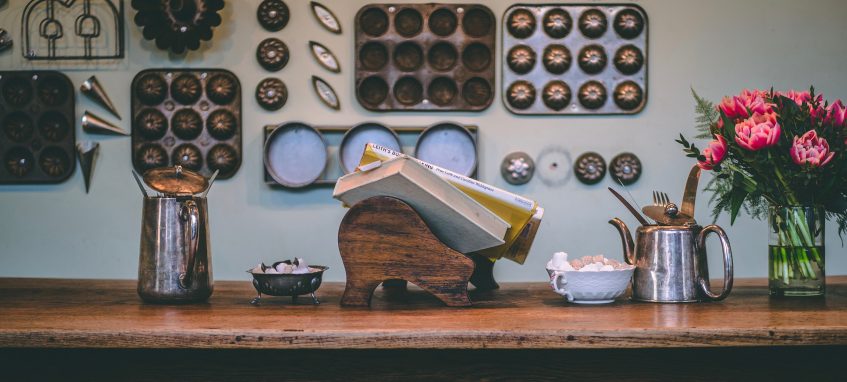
(670, 256)
(174, 263)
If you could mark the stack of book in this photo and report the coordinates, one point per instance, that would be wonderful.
(465, 214)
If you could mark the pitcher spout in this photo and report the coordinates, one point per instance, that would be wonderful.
(626, 239)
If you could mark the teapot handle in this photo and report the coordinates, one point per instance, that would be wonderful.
(190, 214)
(727, 262)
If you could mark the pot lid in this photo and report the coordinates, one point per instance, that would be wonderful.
(175, 181)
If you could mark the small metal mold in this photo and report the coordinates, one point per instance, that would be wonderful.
(325, 17)
(326, 93)
(517, 168)
(51, 90)
(629, 23)
(178, 26)
(408, 91)
(625, 168)
(54, 161)
(86, 152)
(221, 89)
(629, 59)
(223, 157)
(628, 95)
(94, 124)
(592, 95)
(521, 94)
(222, 124)
(557, 23)
(557, 58)
(63, 30)
(151, 124)
(272, 54)
(18, 127)
(295, 155)
(449, 146)
(521, 23)
(324, 57)
(353, 143)
(188, 156)
(53, 126)
(17, 90)
(556, 95)
(372, 91)
(590, 168)
(150, 156)
(374, 21)
(442, 91)
(92, 89)
(187, 124)
(408, 22)
(443, 22)
(151, 89)
(18, 162)
(477, 21)
(442, 56)
(476, 57)
(271, 94)
(592, 59)
(477, 92)
(593, 23)
(273, 15)
(186, 89)
(373, 56)
(521, 59)
(408, 56)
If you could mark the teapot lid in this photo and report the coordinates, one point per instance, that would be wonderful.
(175, 181)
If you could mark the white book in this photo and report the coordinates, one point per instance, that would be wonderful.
(455, 218)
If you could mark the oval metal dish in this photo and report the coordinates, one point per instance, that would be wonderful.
(288, 284)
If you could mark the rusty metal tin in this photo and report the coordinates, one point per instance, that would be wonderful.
(187, 117)
(36, 127)
(590, 168)
(407, 53)
(607, 41)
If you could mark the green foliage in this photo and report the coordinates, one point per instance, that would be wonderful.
(707, 116)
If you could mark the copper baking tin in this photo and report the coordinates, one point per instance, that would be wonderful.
(433, 57)
(598, 51)
(187, 117)
(36, 127)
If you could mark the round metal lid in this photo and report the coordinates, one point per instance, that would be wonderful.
(353, 144)
(450, 146)
(175, 181)
(295, 154)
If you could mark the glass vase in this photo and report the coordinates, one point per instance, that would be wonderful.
(796, 251)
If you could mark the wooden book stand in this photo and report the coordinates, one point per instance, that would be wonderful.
(383, 238)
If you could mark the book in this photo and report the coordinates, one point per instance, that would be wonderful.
(516, 210)
(455, 218)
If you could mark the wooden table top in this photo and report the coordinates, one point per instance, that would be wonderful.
(51, 313)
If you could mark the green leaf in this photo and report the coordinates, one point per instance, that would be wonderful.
(736, 201)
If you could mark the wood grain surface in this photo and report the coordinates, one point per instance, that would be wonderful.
(49, 313)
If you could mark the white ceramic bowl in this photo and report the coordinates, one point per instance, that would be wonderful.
(598, 287)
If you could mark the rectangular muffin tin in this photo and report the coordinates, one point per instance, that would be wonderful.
(188, 117)
(436, 57)
(333, 136)
(574, 59)
(37, 119)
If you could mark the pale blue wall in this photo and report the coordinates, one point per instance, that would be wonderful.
(718, 47)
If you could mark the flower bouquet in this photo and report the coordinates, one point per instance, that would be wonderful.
(779, 155)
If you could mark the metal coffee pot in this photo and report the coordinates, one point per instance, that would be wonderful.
(670, 262)
(174, 264)
(670, 256)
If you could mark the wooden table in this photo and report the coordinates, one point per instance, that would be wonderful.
(522, 331)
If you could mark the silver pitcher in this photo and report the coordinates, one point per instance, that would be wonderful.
(670, 262)
(174, 264)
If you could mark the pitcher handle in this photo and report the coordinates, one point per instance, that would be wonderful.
(727, 262)
(190, 214)
(554, 278)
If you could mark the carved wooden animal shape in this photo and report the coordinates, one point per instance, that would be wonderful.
(384, 238)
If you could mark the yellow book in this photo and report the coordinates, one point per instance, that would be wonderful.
(516, 210)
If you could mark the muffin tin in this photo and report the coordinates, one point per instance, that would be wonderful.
(437, 57)
(286, 145)
(575, 59)
(37, 120)
(188, 117)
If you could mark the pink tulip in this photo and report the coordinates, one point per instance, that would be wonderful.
(734, 108)
(798, 97)
(757, 132)
(714, 153)
(811, 149)
(836, 114)
(745, 104)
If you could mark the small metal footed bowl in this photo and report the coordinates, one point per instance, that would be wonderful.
(288, 284)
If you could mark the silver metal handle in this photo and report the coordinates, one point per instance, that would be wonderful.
(727, 262)
(189, 213)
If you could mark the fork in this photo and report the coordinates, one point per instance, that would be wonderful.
(661, 199)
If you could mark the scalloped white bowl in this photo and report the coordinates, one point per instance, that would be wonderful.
(600, 287)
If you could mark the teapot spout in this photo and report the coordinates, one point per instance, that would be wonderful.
(626, 239)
